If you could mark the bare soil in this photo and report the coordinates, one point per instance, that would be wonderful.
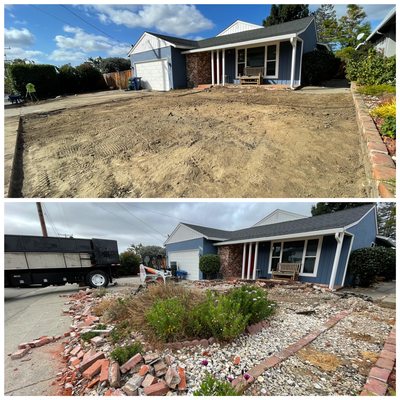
(219, 143)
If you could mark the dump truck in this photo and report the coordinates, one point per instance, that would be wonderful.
(38, 260)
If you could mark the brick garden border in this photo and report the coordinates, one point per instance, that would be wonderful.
(241, 384)
(379, 166)
(377, 381)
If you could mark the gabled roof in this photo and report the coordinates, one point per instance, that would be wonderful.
(389, 16)
(279, 216)
(292, 27)
(337, 220)
(238, 22)
(210, 233)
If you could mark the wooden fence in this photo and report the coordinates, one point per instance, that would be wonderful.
(118, 80)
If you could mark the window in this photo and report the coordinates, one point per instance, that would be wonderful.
(241, 61)
(271, 62)
(255, 56)
(305, 252)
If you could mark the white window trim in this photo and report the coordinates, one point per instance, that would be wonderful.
(317, 257)
(277, 44)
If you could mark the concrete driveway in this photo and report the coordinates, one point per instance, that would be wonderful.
(28, 314)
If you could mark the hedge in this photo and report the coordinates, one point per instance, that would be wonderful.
(319, 66)
(210, 265)
(368, 263)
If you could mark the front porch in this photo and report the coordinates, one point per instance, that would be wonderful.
(278, 62)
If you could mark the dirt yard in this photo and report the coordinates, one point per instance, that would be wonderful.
(219, 143)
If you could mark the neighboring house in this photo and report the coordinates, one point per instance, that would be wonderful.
(166, 62)
(322, 244)
(383, 37)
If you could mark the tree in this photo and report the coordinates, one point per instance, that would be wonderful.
(156, 254)
(386, 213)
(110, 64)
(210, 265)
(351, 25)
(327, 24)
(129, 263)
(326, 208)
(286, 12)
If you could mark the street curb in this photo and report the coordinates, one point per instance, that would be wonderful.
(241, 384)
(378, 164)
(377, 381)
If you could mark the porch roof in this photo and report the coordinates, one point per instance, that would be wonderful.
(280, 31)
(318, 225)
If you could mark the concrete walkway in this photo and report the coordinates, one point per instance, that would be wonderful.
(383, 293)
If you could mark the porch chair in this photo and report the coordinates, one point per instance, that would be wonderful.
(252, 75)
(287, 270)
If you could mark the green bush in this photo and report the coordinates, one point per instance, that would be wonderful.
(388, 127)
(69, 80)
(123, 354)
(86, 336)
(372, 69)
(167, 318)
(214, 387)
(319, 66)
(120, 331)
(210, 264)
(377, 90)
(368, 263)
(253, 302)
(91, 79)
(44, 77)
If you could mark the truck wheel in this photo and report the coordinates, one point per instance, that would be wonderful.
(97, 278)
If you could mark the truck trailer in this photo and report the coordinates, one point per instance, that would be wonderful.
(33, 260)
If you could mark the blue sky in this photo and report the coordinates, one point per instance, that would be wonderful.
(61, 34)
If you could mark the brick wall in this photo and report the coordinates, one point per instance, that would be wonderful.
(198, 69)
(231, 260)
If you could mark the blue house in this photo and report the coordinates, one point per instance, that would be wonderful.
(322, 244)
(165, 62)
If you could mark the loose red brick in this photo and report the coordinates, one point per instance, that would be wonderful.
(256, 371)
(375, 386)
(20, 353)
(131, 363)
(384, 363)
(42, 341)
(97, 341)
(271, 362)
(23, 346)
(80, 354)
(75, 350)
(104, 371)
(93, 370)
(144, 369)
(74, 361)
(236, 360)
(182, 384)
(380, 374)
(158, 389)
(90, 361)
(149, 380)
(385, 191)
(114, 375)
(93, 382)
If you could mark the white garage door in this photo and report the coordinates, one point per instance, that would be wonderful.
(187, 261)
(154, 74)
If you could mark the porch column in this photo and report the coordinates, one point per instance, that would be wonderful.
(293, 41)
(249, 261)
(244, 260)
(212, 68)
(255, 261)
(339, 236)
(217, 67)
(223, 67)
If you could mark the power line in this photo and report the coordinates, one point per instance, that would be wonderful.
(49, 14)
(89, 23)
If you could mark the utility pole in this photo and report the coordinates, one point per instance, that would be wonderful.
(41, 218)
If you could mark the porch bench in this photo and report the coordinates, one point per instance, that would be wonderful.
(287, 270)
(252, 75)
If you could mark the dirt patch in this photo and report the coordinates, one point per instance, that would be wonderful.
(322, 360)
(362, 336)
(223, 143)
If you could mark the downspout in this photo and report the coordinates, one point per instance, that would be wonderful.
(339, 236)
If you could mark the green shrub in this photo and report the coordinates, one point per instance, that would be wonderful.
(44, 77)
(120, 331)
(88, 335)
(388, 127)
(372, 69)
(319, 66)
(368, 263)
(253, 302)
(69, 80)
(167, 318)
(123, 354)
(210, 264)
(91, 79)
(214, 387)
(377, 90)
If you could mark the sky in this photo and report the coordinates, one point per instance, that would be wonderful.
(70, 33)
(137, 222)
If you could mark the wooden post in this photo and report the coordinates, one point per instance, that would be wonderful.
(41, 219)
(244, 260)
(255, 261)
(212, 68)
(249, 261)
(218, 75)
(223, 67)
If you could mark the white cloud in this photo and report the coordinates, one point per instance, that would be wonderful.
(174, 19)
(77, 46)
(18, 37)
(23, 54)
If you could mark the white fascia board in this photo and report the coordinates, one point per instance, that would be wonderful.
(386, 19)
(355, 223)
(193, 230)
(142, 37)
(248, 42)
(289, 236)
(172, 234)
(238, 21)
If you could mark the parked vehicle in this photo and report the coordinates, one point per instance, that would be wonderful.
(31, 260)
